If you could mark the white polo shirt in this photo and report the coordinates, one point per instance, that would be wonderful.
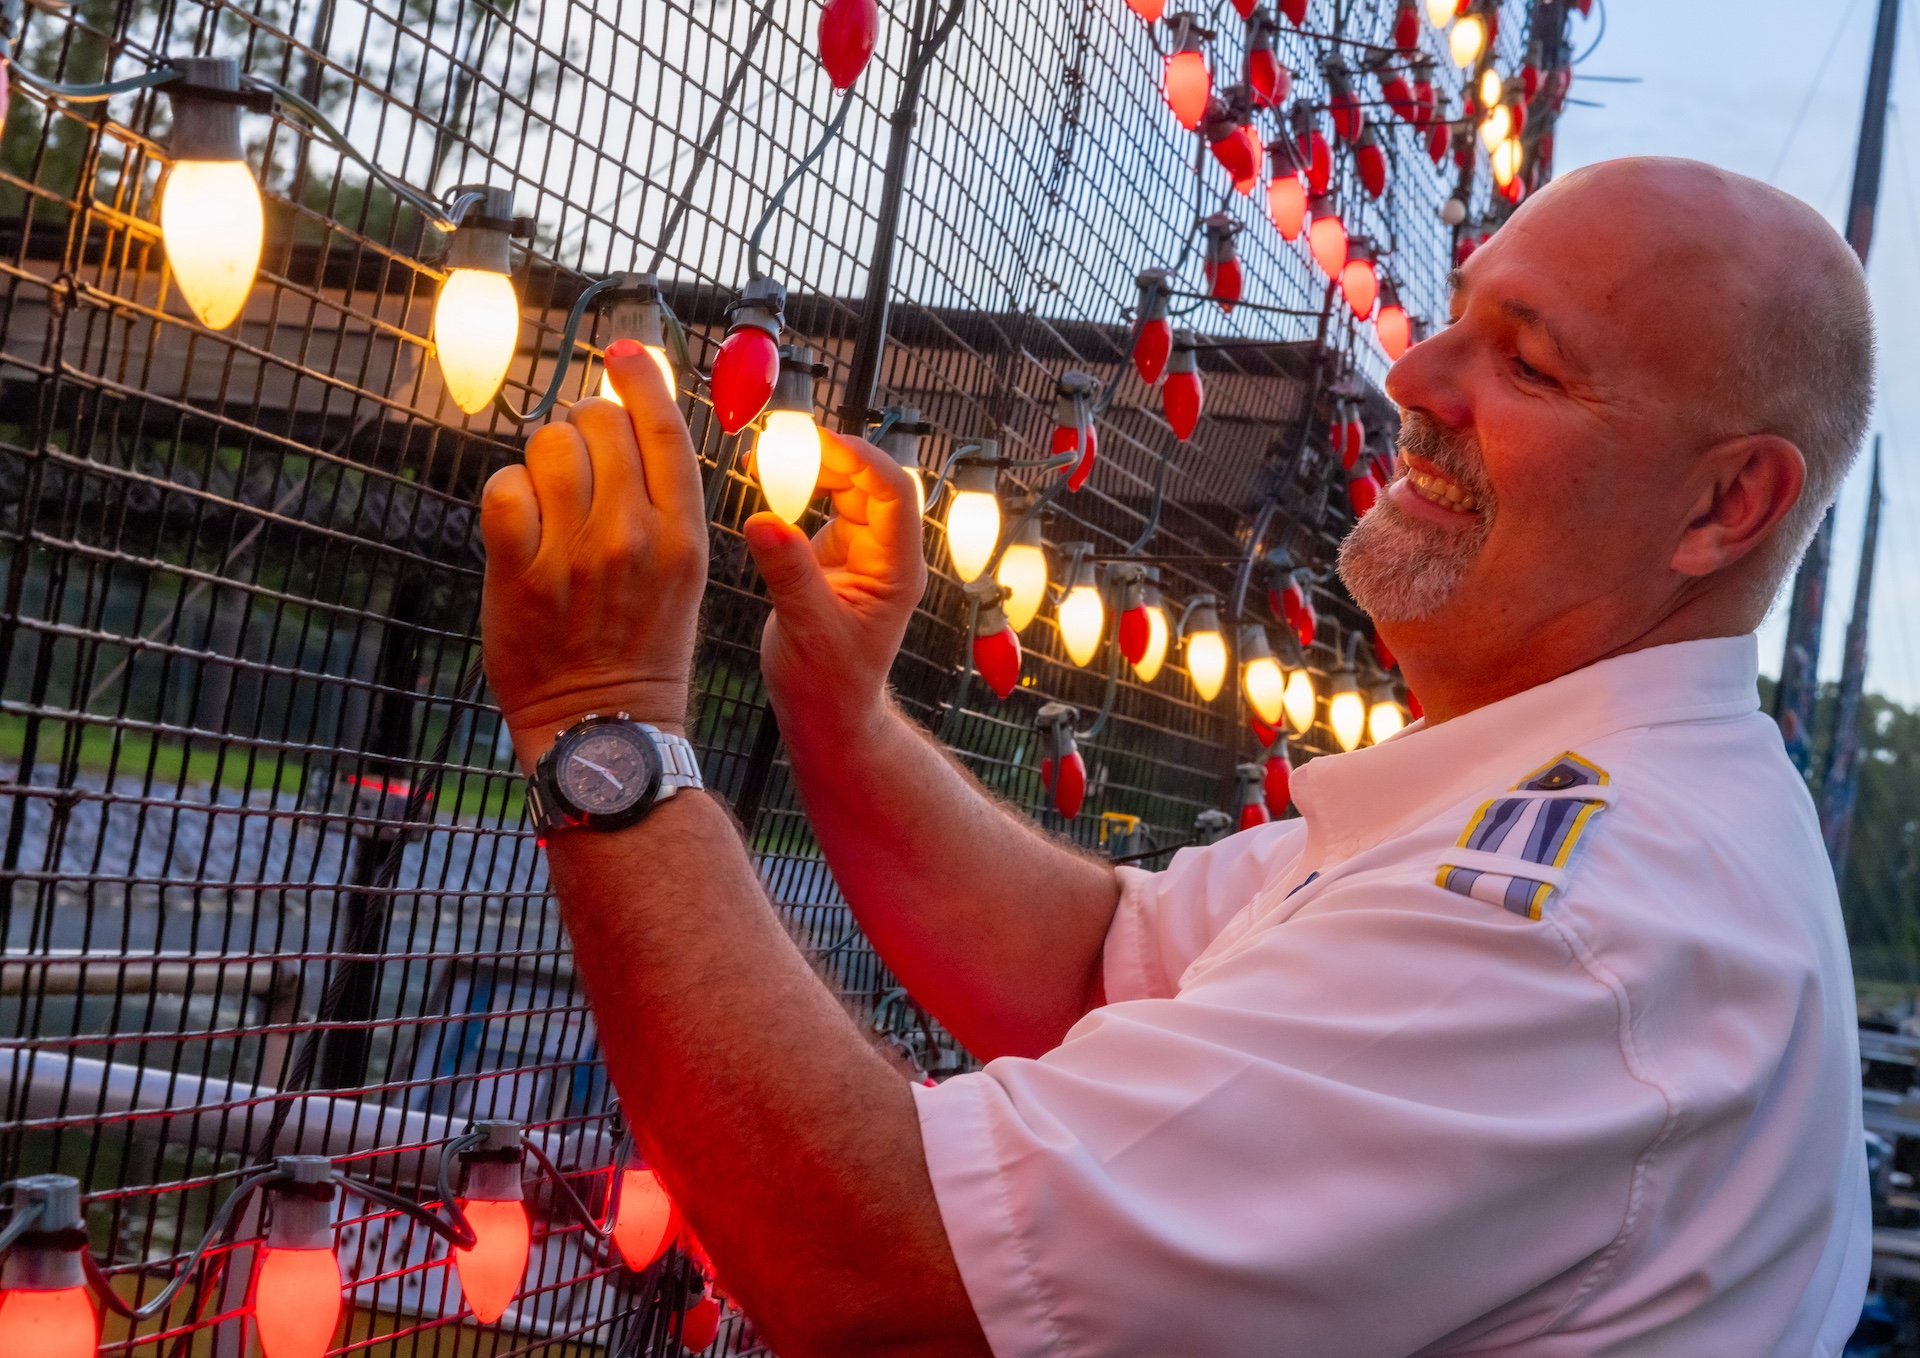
(1535, 1036)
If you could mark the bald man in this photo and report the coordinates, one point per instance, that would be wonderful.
(1533, 1036)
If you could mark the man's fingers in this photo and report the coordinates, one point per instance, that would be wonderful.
(619, 481)
(510, 520)
(892, 501)
(666, 450)
(785, 557)
(562, 475)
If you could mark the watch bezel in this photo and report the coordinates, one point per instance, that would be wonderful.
(573, 815)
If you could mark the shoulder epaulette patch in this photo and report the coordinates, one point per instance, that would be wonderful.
(1514, 851)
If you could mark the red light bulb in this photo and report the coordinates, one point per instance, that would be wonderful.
(1371, 162)
(492, 1271)
(1360, 285)
(700, 1325)
(1342, 103)
(996, 650)
(1262, 732)
(1188, 87)
(1287, 205)
(1276, 787)
(1151, 349)
(1317, 160)
(296, 1301)
(1266, 77)
(1134, 633)
(55, 1323)
(646, 1221)
(1224, 281)
(1069, 790)
(1380, 651)
(1406, 27)
(1236, 150)
(1181, 396)
(1414, 709)
(1363, 492)
(1424, 99)
(848, 29)
(744, 373)
(1327, 237)
(1394, 331)
(1148, 10)
(1439, 135)
(1400, 98)
(1245, 8)
(1295, 10)
(1253, 803)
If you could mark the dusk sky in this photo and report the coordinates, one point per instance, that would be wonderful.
(1774, 89)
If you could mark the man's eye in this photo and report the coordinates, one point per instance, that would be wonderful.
(1529, 373)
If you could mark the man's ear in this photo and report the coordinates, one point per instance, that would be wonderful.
(1746, 486)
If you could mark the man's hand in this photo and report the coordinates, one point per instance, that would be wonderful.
(596, 563)
(842, 602)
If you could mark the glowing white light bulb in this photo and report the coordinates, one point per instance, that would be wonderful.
(476, 327)
(1346, 712)
(1490, 87)
(1506, 160)
(786, 458)
(1299, 701)
(973, 526)
(1496, 127)
(1083, 618)
(1158, 635)
(1207, 663)
(1469, 36)
(1264, 685)
(1439, 12)
(212, 223)
(1384, 720)
(1023, 569)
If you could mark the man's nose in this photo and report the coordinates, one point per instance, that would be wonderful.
(1430, 378)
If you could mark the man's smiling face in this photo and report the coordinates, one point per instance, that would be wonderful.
(1551, 431)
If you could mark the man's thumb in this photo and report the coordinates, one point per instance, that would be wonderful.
(785, 557)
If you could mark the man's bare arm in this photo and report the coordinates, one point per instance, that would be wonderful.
(991, 924)
(793, 1148)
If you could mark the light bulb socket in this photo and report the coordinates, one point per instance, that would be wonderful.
(1342, 681)
(302, 1204)
(1189, 34)
(1229, 110)
(1028, 533)
(1081, 570)
(1303, 119)
(632, 308)
(977, 468)
(1185, 357)
(1321, 207)
(762, 304)
(205, 125)
(1251, 779)
(1056, 721)
(794, 389)
(902, 442)
(1127, 581)
(990, 618)
(1254, 644)
(1382, 693)
(1263, 29)
(1389, 294)
(484, 236)
(1074, 395)
(1211, 826)
(1155, 293)
(46, 1257)
(493, 1166)
(1221, 229)
(1203, 615)
(1360, 250)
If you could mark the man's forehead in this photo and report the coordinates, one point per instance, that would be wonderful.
(1525, 307)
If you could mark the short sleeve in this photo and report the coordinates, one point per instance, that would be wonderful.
(1166, 919)
(1341, 1138)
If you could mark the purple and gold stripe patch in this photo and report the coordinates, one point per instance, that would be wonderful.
(1540, 824)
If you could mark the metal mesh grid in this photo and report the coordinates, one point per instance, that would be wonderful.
(268, 882)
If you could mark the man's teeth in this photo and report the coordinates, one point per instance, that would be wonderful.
(1441, 491)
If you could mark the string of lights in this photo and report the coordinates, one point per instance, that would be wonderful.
(1091, 485)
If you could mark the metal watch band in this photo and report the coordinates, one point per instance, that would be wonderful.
(678, 760)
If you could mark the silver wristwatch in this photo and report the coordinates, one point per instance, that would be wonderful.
(606, 773)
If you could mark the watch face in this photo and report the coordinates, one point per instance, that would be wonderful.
(607, 769)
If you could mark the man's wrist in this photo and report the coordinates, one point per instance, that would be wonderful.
(537, 725)
(832, 728)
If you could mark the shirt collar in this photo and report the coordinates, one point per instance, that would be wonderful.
(1354, 801)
